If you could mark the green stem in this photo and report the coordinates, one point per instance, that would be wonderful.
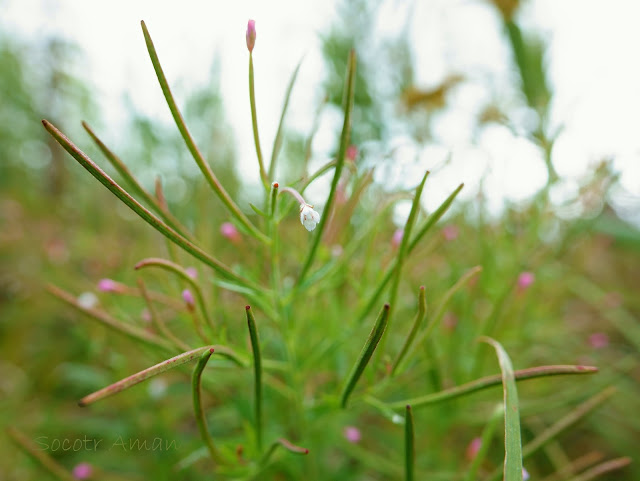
(344, 142)
(422, 311)
(409, 447)
(198, 410)
(135, 206)
(257, 370)
(489, 381)
(487, 435)
(292, 448)
(603, 468)
(254, 123)
(205, 168)
(36, 453)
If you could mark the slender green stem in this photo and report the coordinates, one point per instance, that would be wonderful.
(198, 410)
(36, 453)
(157, 205)
(158, 322)
(409, 445)
(254, 123)
(344, 143)
(402, 249)
(489, 381)
(182, 273)
(135, 206)
(205, 168)
(257, 370)
(141, 376)
(485, 440)
(277, 143)
(135, 333)
(365, 355)
(422, 311)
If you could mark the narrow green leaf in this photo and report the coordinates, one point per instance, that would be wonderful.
(365, 355)
(135, 333)
(205, 168)
(257, 211)
(277, 143)
(409, 445)
(158, 206)
(489, 381)
(512, 436)
(37, 454)
(402, 249)
(138, 377)
(196, 386)
(344, 143)
(135, 206)
(422, 312)
(292, 448)
(257, 371)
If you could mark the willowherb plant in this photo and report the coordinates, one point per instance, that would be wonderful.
(306, 321)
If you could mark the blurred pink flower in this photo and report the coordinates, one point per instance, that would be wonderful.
(473, 448)
(352, 434)
(108, 285)
(192, 272)
(525, 475)
(82, 471)
(450, 232)
(525, 279)
(352, 152)
(145, 315)
(397, 238)
(187, 296)
(251, 34)
(598, 340)
(229, 231)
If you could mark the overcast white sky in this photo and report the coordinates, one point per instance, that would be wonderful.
(594, 70)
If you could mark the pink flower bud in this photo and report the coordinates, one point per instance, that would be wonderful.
(473, 448)
(187, 296)
(251, 34)
(352, 152)
(397, 238)
(107, 285)
(82, 471)
(352, 434)
(192, 272)
(229, 231)
(598, 340)
(450, 232)
(525, 279)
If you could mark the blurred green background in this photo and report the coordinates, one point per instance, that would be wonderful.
(58, 226)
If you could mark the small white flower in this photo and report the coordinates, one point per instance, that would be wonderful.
(308, 217)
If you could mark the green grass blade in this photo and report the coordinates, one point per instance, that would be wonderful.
(435, 217)
(409, 445)
(135, 206)
(512, 435)
(365, 354)
(254, 124)
(205, 168)
(141, 376)
(257, 370)
(277, 143)
(344, 143)
(404, 244)
(422, 312)
(37, 454)
(140, 191)
(489, 381)
(196, 386)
